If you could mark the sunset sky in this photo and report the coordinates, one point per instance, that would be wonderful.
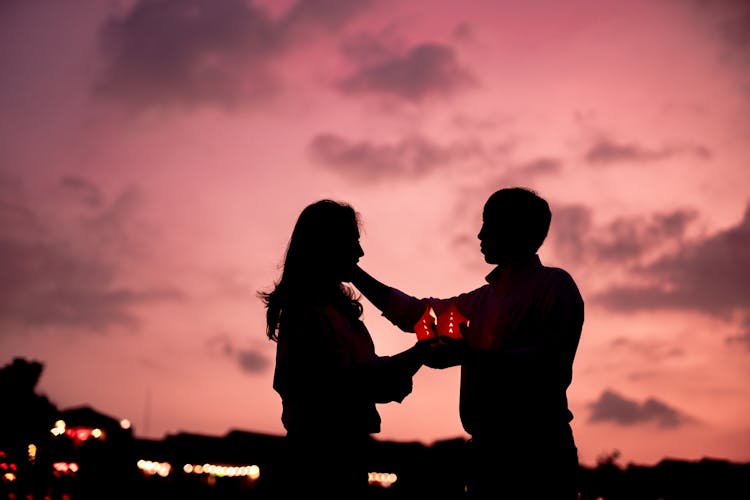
(154, 156)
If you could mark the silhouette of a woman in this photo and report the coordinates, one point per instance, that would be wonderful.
(327, 372)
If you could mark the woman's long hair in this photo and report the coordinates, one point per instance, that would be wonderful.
(318, 236)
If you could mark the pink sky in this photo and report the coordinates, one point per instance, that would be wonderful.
(154, 156)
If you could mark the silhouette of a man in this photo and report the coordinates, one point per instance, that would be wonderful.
(516, 355)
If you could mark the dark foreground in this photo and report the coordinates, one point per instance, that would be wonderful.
(76, 465)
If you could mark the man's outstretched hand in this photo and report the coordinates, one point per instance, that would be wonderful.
(442, 352)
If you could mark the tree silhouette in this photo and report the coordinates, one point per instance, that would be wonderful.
(26, 417)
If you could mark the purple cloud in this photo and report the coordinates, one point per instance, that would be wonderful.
(85, 191)
(219, 52)
(710, 275)
(47, 280)
(607, 152)
(409, 157)
(623, 240)
(653, 351)
(730, 19)
(615, 408)
(426, 70)
(331, 15)
(250, 361)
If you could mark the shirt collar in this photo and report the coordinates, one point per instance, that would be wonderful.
(508, 271)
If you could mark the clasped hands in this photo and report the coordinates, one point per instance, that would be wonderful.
(441, 352)
(440, 340)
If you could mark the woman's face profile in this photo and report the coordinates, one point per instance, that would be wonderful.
(345, 254)
(326, 242)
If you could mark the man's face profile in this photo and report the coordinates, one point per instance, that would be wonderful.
(491, 237)
(500, 237)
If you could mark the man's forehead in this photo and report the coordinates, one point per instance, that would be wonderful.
(494, 213)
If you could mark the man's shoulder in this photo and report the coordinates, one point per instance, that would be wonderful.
(558, 277)
(556, 272)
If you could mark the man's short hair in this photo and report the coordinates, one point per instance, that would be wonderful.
(527, 212)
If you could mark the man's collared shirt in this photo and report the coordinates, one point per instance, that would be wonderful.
(523, 332)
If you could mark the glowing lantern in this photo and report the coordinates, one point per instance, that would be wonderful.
(425, 327)
(448, 323)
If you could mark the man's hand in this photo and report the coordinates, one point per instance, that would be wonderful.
(443, 352)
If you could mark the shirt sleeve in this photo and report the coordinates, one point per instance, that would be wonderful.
(403, 310)
(564, 314)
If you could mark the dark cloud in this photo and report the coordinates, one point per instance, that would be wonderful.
(731, 20)
(711, 275)
(737, 28)
(606, 152)
(612, 407)
(251, 361)
(464, 32)
(629, 238)
(48, 279)
(368, 161)
(525, 174)
(187, 52)
(48, 284)
(369, 49)
(84, 190)
(652, 351)
(623, 240)
(331, 15)
(541, 166)
(742, 338)
(425, 70)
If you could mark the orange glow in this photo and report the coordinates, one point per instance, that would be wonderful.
(425, 327)
(383, 479)
(81, 434)
(150, 467)
(448, 323)
(65, 468)
(249, 471)
(58, 429)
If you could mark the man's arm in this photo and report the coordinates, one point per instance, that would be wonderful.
(375, 291)
(399, 308)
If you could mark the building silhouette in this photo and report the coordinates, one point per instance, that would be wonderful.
(81, 453)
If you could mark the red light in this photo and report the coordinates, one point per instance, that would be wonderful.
(425, 327)
(78, 434)
(448, 323)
